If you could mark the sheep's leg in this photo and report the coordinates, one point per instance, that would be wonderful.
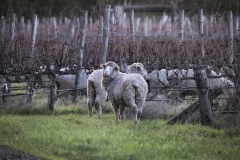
(122, 112)
(90, 97)
(139, 114)
(116, 111)
(140, 102)
(134, 111)
(90, 109)
(129, 98)
(98, 109)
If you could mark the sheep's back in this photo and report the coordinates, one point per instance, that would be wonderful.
(94, 86)
(96, 76)
(114, 88)
(134, 84)
(134, 89)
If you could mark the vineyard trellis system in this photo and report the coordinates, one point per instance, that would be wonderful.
(72, 43)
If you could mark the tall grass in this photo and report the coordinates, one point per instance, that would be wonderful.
(68, 133)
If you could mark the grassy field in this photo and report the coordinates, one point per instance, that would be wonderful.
(68, 133)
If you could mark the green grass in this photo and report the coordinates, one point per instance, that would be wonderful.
(68, 133)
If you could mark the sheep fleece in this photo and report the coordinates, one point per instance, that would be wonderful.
(94, 88)
(126, 89)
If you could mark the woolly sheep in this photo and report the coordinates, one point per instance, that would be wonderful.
(138, 68)
(64, 82)
(157, 78)
(124, 90)
(175, 78)
(225, 99)
(213, 83)
(163, 78)
(96, 95)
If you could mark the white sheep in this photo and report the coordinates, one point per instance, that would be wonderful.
(157, 78)
(176, 79)
(64, 83)
(67, 82)
(138, 68)
(124, 90)
(96, 95)
(214, 82)
(225, 99)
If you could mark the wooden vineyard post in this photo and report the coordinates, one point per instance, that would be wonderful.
(132, 26)
(2, 26)
(169, 26)
(145, 31)
(5, 91)
(201, 79)
(106, 19)
(82, 43)
(91, 24)
(113, 25)
(22, 25)
(181, 25)
(100, 26)
(28, 30)
(11, 55)
(52, 93)
(238, 26)
(201, 34)
(118, 14)
(69, 36)
(31, 57)
(34, 32)
(230, 39)
(54, 25)
(188, 23)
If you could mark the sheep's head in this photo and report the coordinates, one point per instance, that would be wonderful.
(139, 68)
(162, 77)
(176, 74)
(110, 69)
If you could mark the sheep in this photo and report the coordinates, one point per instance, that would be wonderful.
(96, 95)
(138, 68)
(176, 79)
(157, 78)
(228, 91)
(214, 82)
(124, 90)
(64, 82)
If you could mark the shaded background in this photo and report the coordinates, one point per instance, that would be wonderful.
(94, 7)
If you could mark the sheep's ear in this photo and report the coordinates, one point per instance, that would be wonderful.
(138, 68)
(102, 65)
(117, 68)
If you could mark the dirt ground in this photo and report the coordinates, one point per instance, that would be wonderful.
(7, 153)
